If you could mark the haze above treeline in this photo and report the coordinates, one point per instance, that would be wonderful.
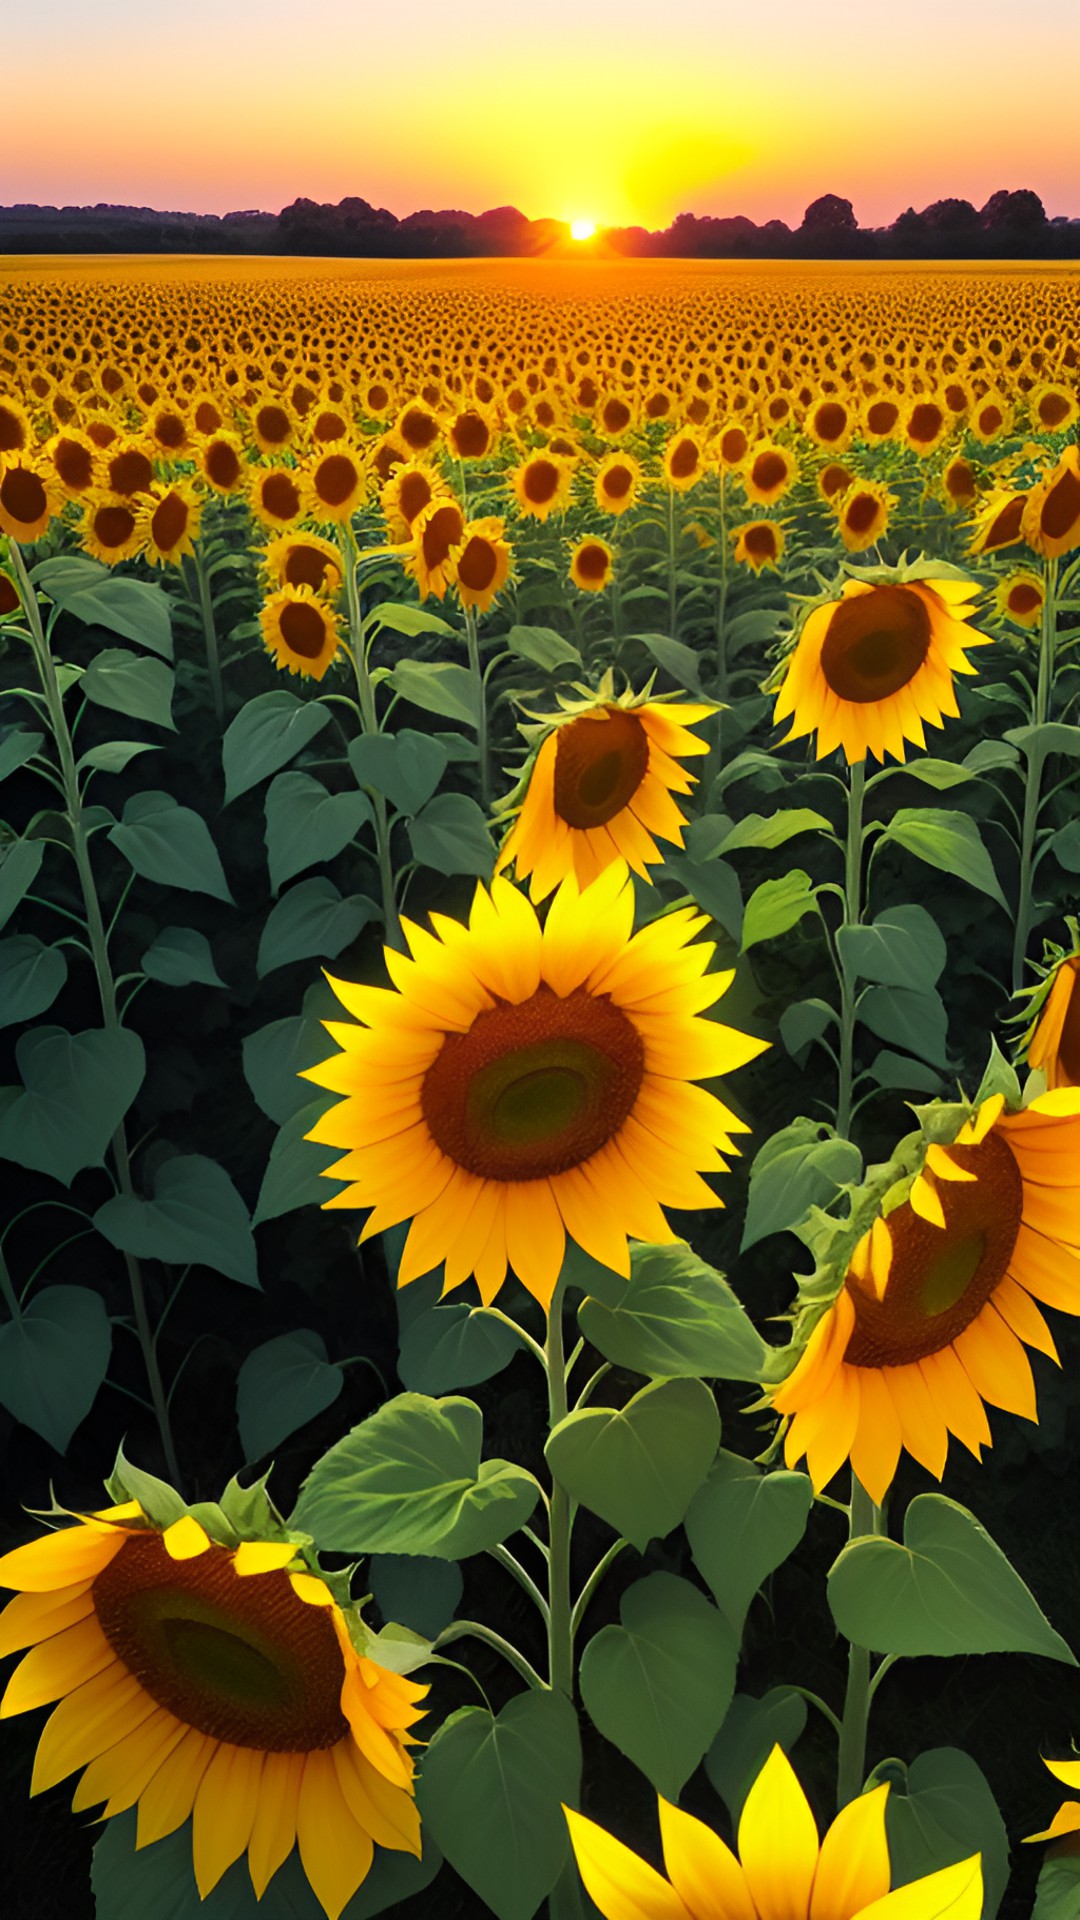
(1012, 224)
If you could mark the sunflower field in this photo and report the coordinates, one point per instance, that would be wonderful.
(540, 944)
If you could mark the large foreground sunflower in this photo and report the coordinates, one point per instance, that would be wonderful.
(211, 1680)
(937, 1280)
(872, 666)
(782, 1871)
(523, 1083)
(601, 786)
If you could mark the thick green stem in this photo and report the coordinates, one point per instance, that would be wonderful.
(560, 1610)
(209, 627)
(99, 949)
(1036, 760)
(473, 641)
(852, 918)
(673, 598)
(865, 1518)
(369, 720)
(721, 601)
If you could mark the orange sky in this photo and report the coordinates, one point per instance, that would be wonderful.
(580, 109)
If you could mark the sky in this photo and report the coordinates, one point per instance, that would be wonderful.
(617, 111)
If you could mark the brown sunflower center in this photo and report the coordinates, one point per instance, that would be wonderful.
(1060, 514)
(925, 423)
(306, 566)
(592, 561)
(336, 477)
(1053, 409)
(536, 1088)
(941, 1278)
(13, 434)
(830, 420)
(684, 459)
(222, 464)
(478, 564)
(882, 416)
(1024, 597)
(599, 766)
(760, 540)
(414, 495)
(75, 465)
(23, 495)
(273, 424)
(834, 479)
(861, 513)
(616, 416)
(617, 482)
(960, 481)
(113, 526)
(875, 644)
(302, 629)
(733, 445)
(131, 472)
(168, 523)
(419, 428)
(471, 435)
(768, 471)
(243, 1660)
(540, 482)
(280, 496)
(207, 417)
(1004, 529)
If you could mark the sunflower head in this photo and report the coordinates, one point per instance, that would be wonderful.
(768, 473)
(300, 630)
(109, 528)
(959, 487)
(1051, 521)
(1020, 597)
(867, 669)
(1053, 409)
(335, 482)
(592, 564)
(759, 544)
(303, 560)
(683, 463)
(481, 563)
(829, 423)
(542, 484)
(862, 514)
(999, 521)
(205, 1666)
(30, 495)
(220, 459)
(1050, 1042)
(412, 487)
(168, 522)
(617, 484)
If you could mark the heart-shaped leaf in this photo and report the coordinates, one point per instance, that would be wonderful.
(53, 1359)
(76, 1089)
(639, 1466)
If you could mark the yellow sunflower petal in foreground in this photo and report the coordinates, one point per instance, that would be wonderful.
(781, 1870)
(221, 1683)
(1051, 1044)
(936, 1301)
(1066, 1820)
(521, 1083)
(601, 787)
(870, 668)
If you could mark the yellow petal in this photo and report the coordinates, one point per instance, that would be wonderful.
(273, 1832)
(224, 1815)
(32, 1617)
(1067, 1771)
(88, 1722)
(778, 1842)
(623, 1887)
(703, 1871)
(312, 1591)
(853, 1869)
(57, 1667)
(185, 1539)
(336, 1852)
(167, 1801)
(262, 1556)
(60, 1559)
(956, 1893)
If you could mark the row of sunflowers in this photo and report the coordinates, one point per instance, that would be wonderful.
(490, 646)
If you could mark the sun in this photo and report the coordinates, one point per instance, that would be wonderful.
(582, 229)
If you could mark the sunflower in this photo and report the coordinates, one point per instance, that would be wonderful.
(389, 453)
(109, 529)
(958, 484)
(327, 425)
(601, 786)
(926, 422)
(481, 563)
(614, 416)
(1051, 1044)
(437, 530)
(207, 414)
(782, 1870)
(863, 514)
(759, 544)
(212, 1680)
(1051, 522)
(376, 397)
(936, 1300)
(998, 522)
(300, 631)
(168, 429)
(413, 487)
(768, 474)
(683, 464)
(829, 423)
(617, 483)
(276, 496)
(1053, 409)
(128, 467)
(335, 483)
(273, 427)
(991, 418)
(731, 447)
(16, 432)
(776, 411)
(871, 667)
(303, 560)
(1019, 597)
(523, 1083)
(470, 434)
(833, 480)
(542, 484)
(880, 420)
(30, 494)
(74, 459)
(220, 460)
(168, 523)
(592, 564)
(418, 427)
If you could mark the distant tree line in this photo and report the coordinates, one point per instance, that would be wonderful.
(1012, 225)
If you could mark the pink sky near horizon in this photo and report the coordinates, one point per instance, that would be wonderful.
(585, 110)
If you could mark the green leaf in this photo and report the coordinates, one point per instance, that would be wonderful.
(446, 1347)
(294, 1174)
(750, 1731)
(126, 683)
(196, 1215)
(410, 1480)
(305, 823)
(439, 686)
(901, 948)
(170, 844)
(763, 768)
(676, 1318)
(715, 887)
(897, 1070)
(1051, 737)
(659, 1685)
(941, 774)
(774, 829)
(67, 573)
(53, 1360)
(988, 755)
(941, 1813)
(742, 1525)
(911, 1019)
(281, 1386)
(1057, 1890)
(19, 863)
(681, 662)
(405, 767)
(135, 609)
(76, 1089)
(181, 957)
(113, 756)
(275, 1056)
(17, 746)
(802, 1166)
(803, 1022)
(1065, 846)
(948, 841)
(777, 906)
(159, 1880)
(451, 835)
(31, 976)
(491, 1793)
(947, 1590)
(266, 734)
(403, 618)
(312, 921)
(639, 1466)
(421, 1593)
(543, 647)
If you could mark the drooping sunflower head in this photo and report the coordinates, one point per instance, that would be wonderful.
(542, 484)
(518, 1085)
(1051, 1040)
(300, 630)
(412, 487)
(592, 564)
(1051, 521)
(437, 532)
(935, 1278)
(204, 1667)
(959, 487)
(303, 560)
(168, 522)
(599, 785)
(759, 544)
(1020, 597)
(868, 669)
(780, 1866)
(481, 565)
(998, 522)
(862, 514)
